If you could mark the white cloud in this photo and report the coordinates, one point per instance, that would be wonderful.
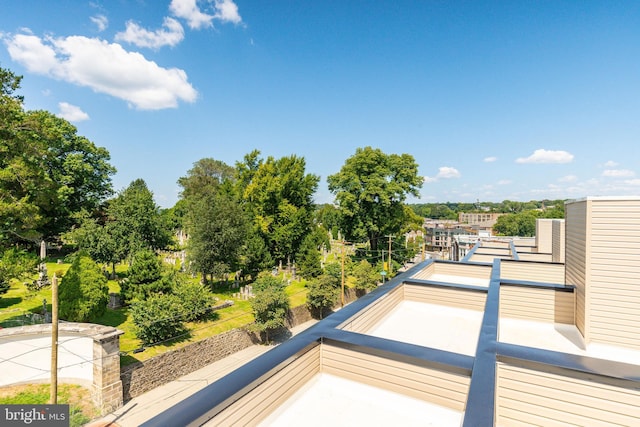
(618, 173)
(610, 164)
(444, 172)
(29, 51)
(188, 10)
(447, 172)
(171, 34)
(568, 178)
(101, 22)
(634, 182)
(547, 156)
(504, 182)
(71, 112)
(227, 11)
(105, 68)
(490, 159)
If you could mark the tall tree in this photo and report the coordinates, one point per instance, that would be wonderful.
(135, 221)
(279, 195)
(217, 228)
(370, 190)
(48, 173)
(215, 221)
(205, 177)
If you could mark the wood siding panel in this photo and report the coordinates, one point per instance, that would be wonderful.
(543, 305)
(544, 235)
(532, 271)
(576, 248)
(462, 269)
(558, 241)
(256, 405)
(451, 297)
(425, 272)
(614, 272)
(533, 397)
(429, 384)
(536, 257)
(375, 312)
(486, 258)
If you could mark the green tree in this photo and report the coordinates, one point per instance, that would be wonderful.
(94, 238)
(323, 294)
(205, 178)
(135, 222)
(270, 304)
(158, 318)
(144, 277)
(15, 264)
(366, 276)
(255, 256)
(48, 173)
(83, 291)
(196, 300)
(308, 258)
(217, 228)
(278, 194)
(370, 190)
(520, 224)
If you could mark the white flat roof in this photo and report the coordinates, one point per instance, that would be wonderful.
(329, 400)
(560, 337)
(431, 325)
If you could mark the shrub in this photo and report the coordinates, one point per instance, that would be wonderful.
(195, 298)
(366, 276)
(144, 277)
(14, 264)
(270, 304)
(84, 293)
(158, 318)
(323, 294)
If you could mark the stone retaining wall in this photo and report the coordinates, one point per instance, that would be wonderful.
(144, 376)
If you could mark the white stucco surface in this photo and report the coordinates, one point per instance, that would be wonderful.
(28, 358)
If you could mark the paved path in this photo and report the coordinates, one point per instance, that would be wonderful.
(144, 407)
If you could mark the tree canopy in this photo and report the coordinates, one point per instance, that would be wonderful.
(278, 194)
(48, 173)
(370, 190)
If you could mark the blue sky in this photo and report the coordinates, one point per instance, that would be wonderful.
(495, 100)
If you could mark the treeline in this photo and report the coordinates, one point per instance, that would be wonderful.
(450, 210)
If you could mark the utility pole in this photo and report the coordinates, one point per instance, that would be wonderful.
(53, 396)
(389, 260)
(342, 286)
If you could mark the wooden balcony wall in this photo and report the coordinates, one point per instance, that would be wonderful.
(431, 384)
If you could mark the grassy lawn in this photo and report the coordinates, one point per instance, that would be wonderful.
(18, 303)
(81, 410)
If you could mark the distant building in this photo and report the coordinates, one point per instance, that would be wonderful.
(482, 220)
